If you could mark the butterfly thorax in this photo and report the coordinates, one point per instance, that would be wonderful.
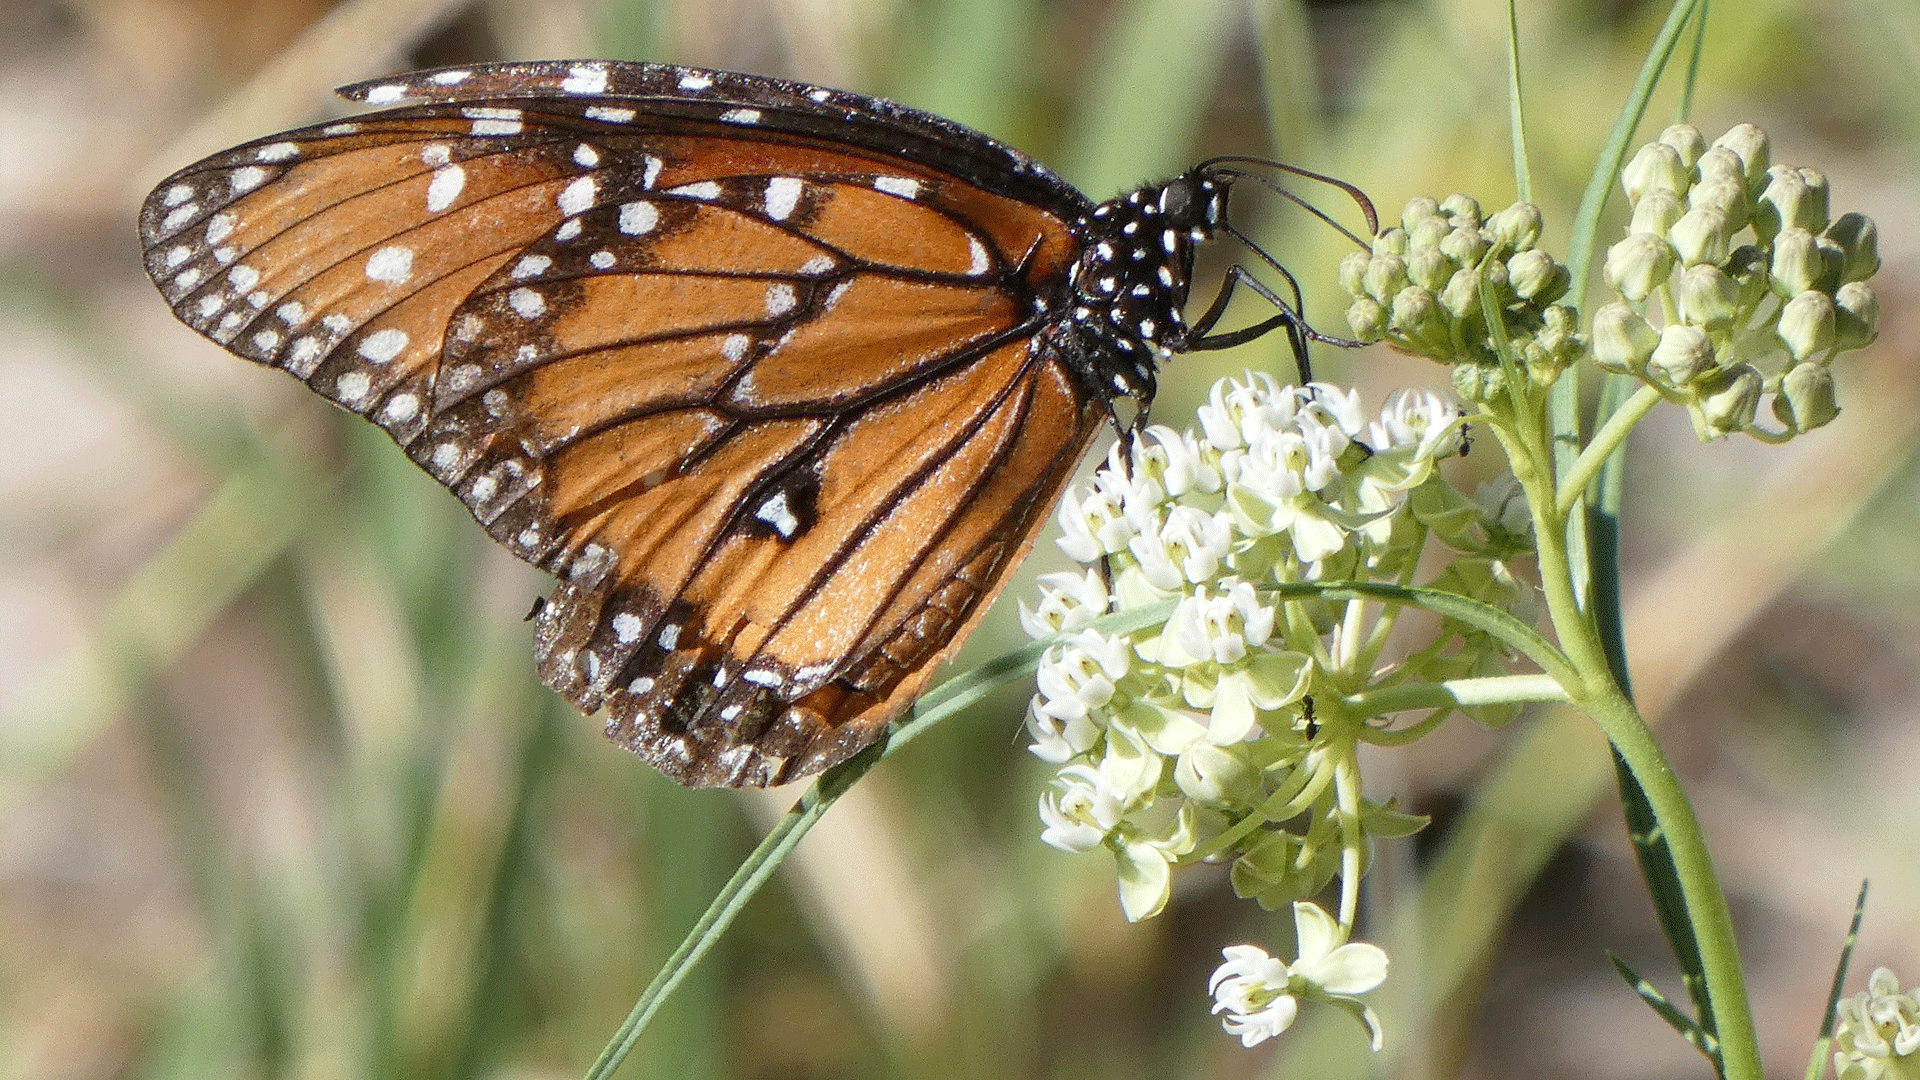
(1129, 286)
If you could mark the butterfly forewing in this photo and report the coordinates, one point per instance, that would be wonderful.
(755, 368)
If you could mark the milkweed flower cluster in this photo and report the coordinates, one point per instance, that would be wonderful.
(1735, 282)
(1877, 1036)
(1420, 288)
(1224, 729)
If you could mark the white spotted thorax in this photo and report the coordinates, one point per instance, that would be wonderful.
(1131, 281)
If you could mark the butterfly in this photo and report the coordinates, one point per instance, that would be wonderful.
(779, 381)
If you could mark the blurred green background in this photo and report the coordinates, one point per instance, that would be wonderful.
(281, 796)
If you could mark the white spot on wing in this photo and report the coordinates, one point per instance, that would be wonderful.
(585, 156)
(493, 121)
(776, 513)
(303, 356)
(740, 116)
(400, 408)
(179, 216)
(626, 627)
(354, 387)
(280, 151)
(695, 81)
(601, 260)
(245, 179)
(382, 346)
(585, 79)
(981, 261)
(780, 298)
(452, 78)
(783, 194)
(527, 303)
(392, 264)
(291, 312)
(445, 187)
(436, 154)
(577, 196)
(735, 346)
(531, 266)
(178, 254)
(650, 170)
(243, 278)
(386, 95)
(178, 194)
(610, 114)
(819, 264)
(905, 187)
(568, 229)
(638, 218)
(219, 226)
(705, 189)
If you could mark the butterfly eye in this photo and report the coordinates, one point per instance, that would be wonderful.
(779, 381)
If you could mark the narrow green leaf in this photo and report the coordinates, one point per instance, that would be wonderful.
(1818, 1063)
(1701, 1039)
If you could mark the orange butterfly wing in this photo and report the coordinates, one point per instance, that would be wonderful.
(774, 408)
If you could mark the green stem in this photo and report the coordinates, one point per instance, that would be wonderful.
(1609, 438)
(1596, 693)
(1732, 1015)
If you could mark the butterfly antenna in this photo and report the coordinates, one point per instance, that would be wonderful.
(1226, 167)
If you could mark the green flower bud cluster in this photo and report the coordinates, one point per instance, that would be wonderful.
(1419, 290)
(1734, 283)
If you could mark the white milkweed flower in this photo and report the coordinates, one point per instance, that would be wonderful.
(1878, 1033)
(1261, 995)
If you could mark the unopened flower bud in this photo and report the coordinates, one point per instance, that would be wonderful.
(1426, 233)
(1417, 317)
(1717, 164)
(1806, 399)
(1622, 340)
(1386, 275)
(1656, 212)
(1353, 272)
(1367, 318)
(1479, 383)
(1729, 397)
(1419, 209)
(1464, 246)
(1797, 262)
(1687, 140)
(1533, 275)
(1559, 344)
(1807, 324)
(1727, 196)
(1639, 264)
(1747, 265)
(1428, 267)
(1684, 352)
(1516, 228)
(1461, 297)
(1707, 297)
(1751, 144)
(1859, 240)
(1856, 315)
(1701, 236)
(1391, 242)
(1790, 201)
(1462, 211)
(1655, 166)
